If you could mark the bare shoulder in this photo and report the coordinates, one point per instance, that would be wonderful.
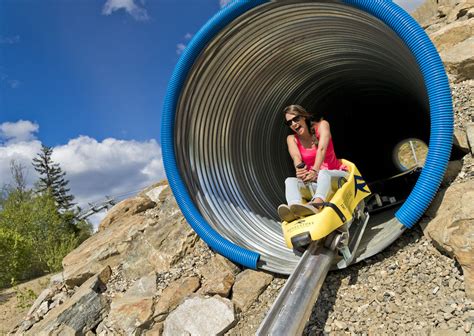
(290, 138)
(324, 124)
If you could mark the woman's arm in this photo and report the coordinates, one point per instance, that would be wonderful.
(295, 156)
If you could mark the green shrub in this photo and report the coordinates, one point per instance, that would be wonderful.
(15, 254)
(55, 251)
(35, 236)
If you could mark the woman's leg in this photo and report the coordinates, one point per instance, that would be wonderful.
(296, 191)
(325, 178)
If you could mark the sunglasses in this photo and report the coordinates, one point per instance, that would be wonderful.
(295, 119)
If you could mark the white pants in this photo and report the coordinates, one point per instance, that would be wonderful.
(296, 191)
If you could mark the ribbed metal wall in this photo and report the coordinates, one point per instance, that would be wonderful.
(230, 141)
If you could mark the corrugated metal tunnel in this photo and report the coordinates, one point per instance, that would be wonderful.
(229, 138)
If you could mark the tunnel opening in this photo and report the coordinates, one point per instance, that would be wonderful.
(339, 63)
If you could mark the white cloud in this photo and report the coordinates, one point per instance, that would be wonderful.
(112, 167)
(180, 48)
(224, 3)
(10, 39)
(138, 13)
(14, 83)
(11, 83)
(14, 132)
(22, 153)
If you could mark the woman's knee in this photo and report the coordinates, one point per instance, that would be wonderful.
(323, 174)
(291, 180)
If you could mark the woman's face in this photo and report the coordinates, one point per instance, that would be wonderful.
(296, 123)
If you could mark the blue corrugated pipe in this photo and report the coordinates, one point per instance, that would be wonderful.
(437, 86)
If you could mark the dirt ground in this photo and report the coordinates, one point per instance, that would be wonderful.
(15, 302)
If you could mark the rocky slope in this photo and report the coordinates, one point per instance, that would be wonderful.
(146, 272)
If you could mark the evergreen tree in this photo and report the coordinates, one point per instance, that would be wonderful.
(52, 179)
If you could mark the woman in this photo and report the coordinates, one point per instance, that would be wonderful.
(315, 161)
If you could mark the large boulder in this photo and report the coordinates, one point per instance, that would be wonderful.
(161, 244)
(141, 243)
(452, 34)
(452, 228)
(172, 296)
(201, 316)
(157, 192)
(106, 247)
(125, 209)
(81, 313)
(462, 11)
(219, 276)
(429, 10)
(470, 136)
(459, 60)
(248, 286)
(133, 311)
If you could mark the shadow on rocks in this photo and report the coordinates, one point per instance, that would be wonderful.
(328, 294)
(4, 297)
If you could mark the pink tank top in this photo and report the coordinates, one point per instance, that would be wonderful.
(308, 155)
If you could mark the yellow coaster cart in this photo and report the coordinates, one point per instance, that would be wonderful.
(344, 213)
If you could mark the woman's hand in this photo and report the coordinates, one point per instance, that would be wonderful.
(301, 172)
(311, 176)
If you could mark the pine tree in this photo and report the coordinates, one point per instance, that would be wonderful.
(52, 179)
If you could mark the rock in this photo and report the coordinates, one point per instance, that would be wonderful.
(460, 11)
(156, 330)
(459, 59)
(447, 332)
(460, 140)
(248, 286)
(42, 310)
(157, 192)
(24, 326)
(452, 171)
(470, 13)
(125, 209)
(452, 34)
(443, 11)
(142, 245)
(161, 245)
(340, 325)
(44, 296)
(467, 326)
(173, 295)
(57, 278)
(470, 136)
(104, 248)
(59, 298)
(452, 230)
(133, 312)
(428, 9)
(200, 316)
(82, 312)
(219, 275)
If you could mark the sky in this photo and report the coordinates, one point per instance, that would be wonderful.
(88, 78)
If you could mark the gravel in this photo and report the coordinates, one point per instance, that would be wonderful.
(410, 288)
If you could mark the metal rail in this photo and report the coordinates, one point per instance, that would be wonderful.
(293, 306)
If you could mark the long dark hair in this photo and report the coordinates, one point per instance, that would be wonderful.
(298, 110)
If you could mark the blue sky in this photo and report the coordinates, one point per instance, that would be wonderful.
(88, 77)
(73, 64)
